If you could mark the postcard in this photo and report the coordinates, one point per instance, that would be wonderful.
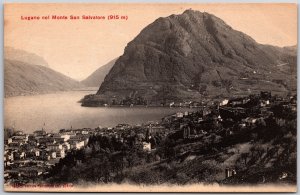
(150, 97)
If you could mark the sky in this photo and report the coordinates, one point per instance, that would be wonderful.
(76, 48)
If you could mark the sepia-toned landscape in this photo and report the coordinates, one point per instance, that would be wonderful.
(188, 98)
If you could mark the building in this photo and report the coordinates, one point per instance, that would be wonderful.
(31, 171)
(60, 153)
(147, 146)
(186, 132)
(229, 172)
(250, 120)
(54, 146)
(238, 101)
(179, 114)
(224, 102)
(19, 133)
(52, 154)
(206, 111)
(15, 145)
(39, 133)
(76, 144)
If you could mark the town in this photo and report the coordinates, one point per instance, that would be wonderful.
(29, 158)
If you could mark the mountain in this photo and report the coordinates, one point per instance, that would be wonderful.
(195, 55)
(24, 56)
(26, 79)
(292, 50)
(97, 77)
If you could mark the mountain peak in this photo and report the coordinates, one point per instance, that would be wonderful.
(180, 56)
(191, 12)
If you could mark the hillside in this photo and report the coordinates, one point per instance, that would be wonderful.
(24, 56)
(195, 55)
(97, 77)
(246, 144)
(26, 79)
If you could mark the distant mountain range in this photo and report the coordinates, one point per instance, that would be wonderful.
(24, 56)
(97, 77)
(195, 55)
(28, 74)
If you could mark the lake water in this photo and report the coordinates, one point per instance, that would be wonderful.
(62, 110)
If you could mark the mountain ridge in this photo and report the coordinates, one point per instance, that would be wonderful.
(24, 56)
(97, 77)
(192, 55)
(26, 79)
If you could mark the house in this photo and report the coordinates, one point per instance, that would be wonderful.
(44, 140)
(14, 145)
(146, 146)
(22, 155)
(37, 152)
(172, 104)
(59, 140)
(179, 114)
(122, 126)
(206, 111)
(9, 140)
(19, 133)
(20, 138)
(9, 156)
(219, 118)
(65, 136)
(224, 102)
(238, 101)
(229, 172)
(31, 171)
(39, 133)
(84, 131)
(78, 131)
(52, 154)
(85, 138)
(54, 146)
(155, 128)
(250, 120)
(264, 103)
(76, 144)
(242, 125)
(60, 153)
(66, 146)
(187, 103)
(79, 144)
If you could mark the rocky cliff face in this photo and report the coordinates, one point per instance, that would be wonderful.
(196, 54)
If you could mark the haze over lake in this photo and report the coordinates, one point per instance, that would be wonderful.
(62, 110)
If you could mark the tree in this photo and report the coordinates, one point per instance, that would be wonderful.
(244, 156)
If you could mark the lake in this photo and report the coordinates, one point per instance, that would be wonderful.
(62, 110)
